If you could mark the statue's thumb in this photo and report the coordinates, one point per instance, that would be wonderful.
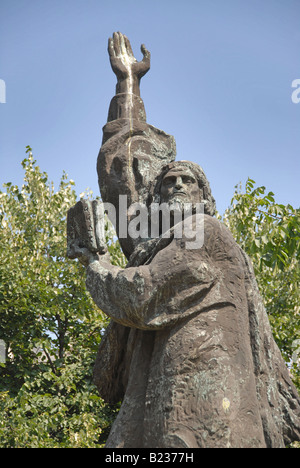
(145, 52)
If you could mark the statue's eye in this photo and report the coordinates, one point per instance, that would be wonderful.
(169, 180)
(188, 180)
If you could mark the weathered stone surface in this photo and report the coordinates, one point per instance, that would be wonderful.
(85, 225)
(133, 153)
(189, 349)
(196, 362)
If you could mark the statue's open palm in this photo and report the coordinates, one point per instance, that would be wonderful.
(122, 60)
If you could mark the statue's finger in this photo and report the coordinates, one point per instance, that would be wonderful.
(128, 46)
(116, 43)
(122, 44)
(111, 49)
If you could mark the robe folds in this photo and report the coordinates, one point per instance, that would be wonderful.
(189, 349)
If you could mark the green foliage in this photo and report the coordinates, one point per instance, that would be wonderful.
(269, 233)
(48, 321)
(54, 410)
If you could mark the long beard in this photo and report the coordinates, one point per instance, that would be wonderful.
(174, 212)
(178, 208)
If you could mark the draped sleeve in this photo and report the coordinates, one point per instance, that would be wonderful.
(132, 155)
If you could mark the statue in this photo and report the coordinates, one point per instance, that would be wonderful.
(189, 349)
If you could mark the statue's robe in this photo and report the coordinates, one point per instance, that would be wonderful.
(189, 350)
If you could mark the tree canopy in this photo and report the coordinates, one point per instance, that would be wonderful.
(48, 322)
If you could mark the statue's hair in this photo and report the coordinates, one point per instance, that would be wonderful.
(207, 198)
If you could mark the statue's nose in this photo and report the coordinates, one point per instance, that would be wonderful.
(178, 183)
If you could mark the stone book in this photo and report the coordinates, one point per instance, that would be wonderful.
(85, 225)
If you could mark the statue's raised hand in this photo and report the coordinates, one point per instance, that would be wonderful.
(127, 69)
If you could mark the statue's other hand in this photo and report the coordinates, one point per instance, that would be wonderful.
(122, 60)
(84, 255)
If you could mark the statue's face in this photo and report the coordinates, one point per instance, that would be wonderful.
(180, 185)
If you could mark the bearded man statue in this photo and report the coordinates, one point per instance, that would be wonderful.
(189, 350)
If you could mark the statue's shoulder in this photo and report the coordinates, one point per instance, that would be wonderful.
(212, 223)
(217, 236)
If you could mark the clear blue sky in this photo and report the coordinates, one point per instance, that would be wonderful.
(220, 82)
